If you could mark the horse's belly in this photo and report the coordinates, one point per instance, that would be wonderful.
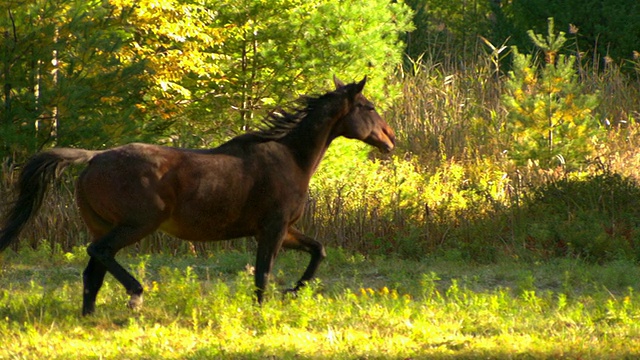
(202, 232)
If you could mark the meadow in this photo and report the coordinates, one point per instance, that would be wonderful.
(202, 307)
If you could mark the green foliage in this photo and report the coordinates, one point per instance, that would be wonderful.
(442, 23)
(275, 51)
(97, 74)
(592, 218)
(551, 118)
(550, 44)
(265, 54)
(447, 31)
(605, 27)
(63, 79)
(399, 206)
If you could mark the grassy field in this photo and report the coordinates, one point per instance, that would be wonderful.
(202, 308)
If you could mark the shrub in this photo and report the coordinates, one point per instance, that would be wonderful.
(593, 218)
(551, 118)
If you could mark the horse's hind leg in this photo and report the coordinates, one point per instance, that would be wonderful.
(93, 277)
(104, 250)
(299, 241)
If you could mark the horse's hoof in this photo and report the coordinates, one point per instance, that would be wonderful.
(88, 311)
(135, 302)
(292, 293)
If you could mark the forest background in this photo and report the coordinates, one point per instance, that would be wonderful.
(516, 121)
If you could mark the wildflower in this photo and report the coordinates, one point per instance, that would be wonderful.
(573, 29)
(249, 269)
(394, 294)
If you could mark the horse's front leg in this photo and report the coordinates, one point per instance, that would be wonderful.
(294, 239)
(269, 243)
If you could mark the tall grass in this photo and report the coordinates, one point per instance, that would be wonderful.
(451, 112)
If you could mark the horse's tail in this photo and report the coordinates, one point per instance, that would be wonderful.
(34, 180)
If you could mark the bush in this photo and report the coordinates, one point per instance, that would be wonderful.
(551, 120)
(594, 218)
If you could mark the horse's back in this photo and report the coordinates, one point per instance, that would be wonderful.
(192, 194)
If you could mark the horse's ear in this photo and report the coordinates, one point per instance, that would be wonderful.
(338, 83)
(360, 85)
(356, 88)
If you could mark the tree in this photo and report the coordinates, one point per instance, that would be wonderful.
(64, 82)
(274, 51)
(606, 27)
(186, 72)
(551, 119)
(175, 40)
(221, 71)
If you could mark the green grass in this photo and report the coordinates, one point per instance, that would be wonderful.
(202, 308)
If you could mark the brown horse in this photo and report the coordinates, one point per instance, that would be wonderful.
(253, 185)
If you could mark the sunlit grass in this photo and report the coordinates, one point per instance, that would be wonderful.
(360, 307)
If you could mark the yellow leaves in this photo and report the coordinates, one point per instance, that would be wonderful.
(519, 95)
(173, 40)
(167, 86)
(530, 78)
(110, 100)
(119, 4)
(153, 289)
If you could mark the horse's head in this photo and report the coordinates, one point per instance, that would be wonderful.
(362, 121)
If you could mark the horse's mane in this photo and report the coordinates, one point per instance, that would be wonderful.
(280, 122)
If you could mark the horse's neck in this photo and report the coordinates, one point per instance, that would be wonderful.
(319, 158)
(310, 141)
